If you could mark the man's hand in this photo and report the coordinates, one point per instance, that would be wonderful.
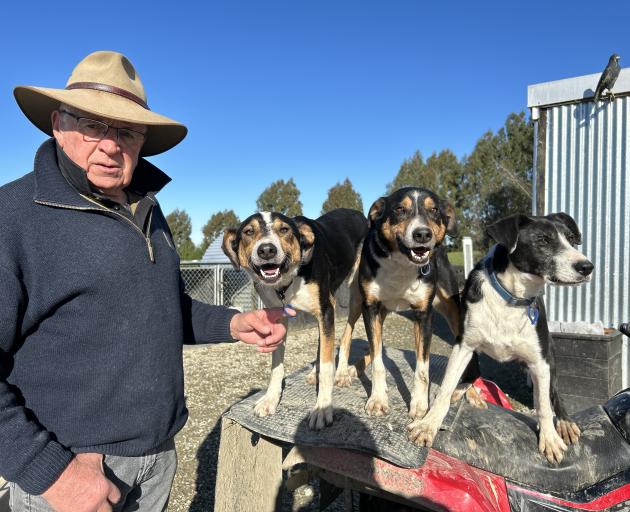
(261, 327)
(83, 487)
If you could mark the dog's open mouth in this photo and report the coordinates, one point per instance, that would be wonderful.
(419, 255)
(270, 272)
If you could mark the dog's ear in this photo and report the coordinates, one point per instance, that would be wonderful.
(448, 213)
(505, 231)
(230, 246)
(565, 219)
(377, 210)
(307, 239)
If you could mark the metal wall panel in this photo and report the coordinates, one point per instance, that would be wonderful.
(587, 169)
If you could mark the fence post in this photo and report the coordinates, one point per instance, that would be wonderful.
(468, 255)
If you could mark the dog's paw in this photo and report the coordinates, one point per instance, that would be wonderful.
(422, 432)
(266, 406)
(568, 431)
(474, 398)
(320, 417)
(377, 405)
(551, 445)
(343, 378)
(418, 408)
(311, 378)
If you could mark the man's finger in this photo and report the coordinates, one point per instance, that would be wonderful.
(258, 324)
(275, 314)
(114, 494)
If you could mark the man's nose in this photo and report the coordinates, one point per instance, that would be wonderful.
(110, 139)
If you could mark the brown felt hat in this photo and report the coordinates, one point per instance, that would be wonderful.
(106, 84)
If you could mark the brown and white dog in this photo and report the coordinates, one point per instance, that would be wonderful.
(403, 265)
(301, 262)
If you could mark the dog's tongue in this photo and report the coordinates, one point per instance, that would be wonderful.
(270, 270)
(420, 251)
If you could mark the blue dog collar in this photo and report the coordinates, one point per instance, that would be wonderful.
(532, 306)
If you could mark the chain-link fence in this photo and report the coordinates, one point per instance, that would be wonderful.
(220, 284)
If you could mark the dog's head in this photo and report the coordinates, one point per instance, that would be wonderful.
(544, 246)
(413, 221)
(270, 246)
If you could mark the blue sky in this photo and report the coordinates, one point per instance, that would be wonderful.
(317, 91)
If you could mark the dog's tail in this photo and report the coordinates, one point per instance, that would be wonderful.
(355, 267)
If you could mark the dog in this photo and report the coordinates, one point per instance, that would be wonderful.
(301, 262)
(404, 265)
(504, 316)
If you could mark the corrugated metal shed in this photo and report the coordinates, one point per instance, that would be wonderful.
(583, 164)
(214, 253)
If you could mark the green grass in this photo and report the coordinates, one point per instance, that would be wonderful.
(457, 257)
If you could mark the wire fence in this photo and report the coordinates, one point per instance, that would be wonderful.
(220, 284)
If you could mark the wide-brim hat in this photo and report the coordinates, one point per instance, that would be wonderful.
(104, 83)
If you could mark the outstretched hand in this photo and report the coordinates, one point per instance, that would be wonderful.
(262, 327)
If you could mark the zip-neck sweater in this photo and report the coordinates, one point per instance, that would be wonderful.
(93, 317)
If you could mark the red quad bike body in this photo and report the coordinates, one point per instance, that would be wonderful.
(594, 476)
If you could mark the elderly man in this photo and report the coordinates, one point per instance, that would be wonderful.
(93, 314)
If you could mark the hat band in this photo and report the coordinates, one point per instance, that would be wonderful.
(111, 89)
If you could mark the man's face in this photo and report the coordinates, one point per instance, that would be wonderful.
(109, 165)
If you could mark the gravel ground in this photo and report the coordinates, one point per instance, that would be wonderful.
(219, 375)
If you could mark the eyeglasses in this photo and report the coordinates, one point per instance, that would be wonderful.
(94, 131)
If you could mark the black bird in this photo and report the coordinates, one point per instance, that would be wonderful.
(608, 78)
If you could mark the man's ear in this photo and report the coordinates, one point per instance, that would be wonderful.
(451, 219)
(377, 210)
(230, 246)
(567, 220)
(505, 231)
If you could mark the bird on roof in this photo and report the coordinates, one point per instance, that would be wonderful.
(608, 78)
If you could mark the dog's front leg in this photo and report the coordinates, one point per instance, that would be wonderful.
(550, 444)
(374, 315)
(420, 394)
(344, 374)
(322, 415)
(422, 431)
(266, 405)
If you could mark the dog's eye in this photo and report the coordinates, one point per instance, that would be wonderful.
(434, 209)
(248, 231)
(544, 239)
(284, 230)
(399, 210)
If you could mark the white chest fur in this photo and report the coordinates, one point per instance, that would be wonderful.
(396, 284)
(502, 331)
(298, 294)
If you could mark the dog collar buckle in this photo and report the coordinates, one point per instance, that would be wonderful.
(533, 313)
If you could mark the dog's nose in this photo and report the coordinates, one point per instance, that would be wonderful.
(267, 251)
(422, 235)
(584, 267)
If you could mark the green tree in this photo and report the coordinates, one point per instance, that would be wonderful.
(181, 227)
(497, 178)
(281, 196)
(342, 195)
(410, 174)
(215, 226)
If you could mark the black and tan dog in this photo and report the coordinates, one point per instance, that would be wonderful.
(504, 316)
(403, 265)
(302, 262)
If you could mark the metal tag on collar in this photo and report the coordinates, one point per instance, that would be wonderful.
(533, 313)
(426, 269)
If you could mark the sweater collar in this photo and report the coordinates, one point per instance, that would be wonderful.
(59, 180)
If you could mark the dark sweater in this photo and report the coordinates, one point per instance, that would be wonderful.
(92, 321)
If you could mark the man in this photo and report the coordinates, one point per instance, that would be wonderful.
(93, 314)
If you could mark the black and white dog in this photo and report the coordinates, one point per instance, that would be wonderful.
(301, 262)
(504, 316)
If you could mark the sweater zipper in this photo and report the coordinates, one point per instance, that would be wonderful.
(100, 209)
